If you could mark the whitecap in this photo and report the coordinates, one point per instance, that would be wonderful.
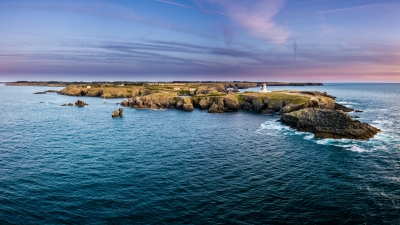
(309, 136)
(356, 148)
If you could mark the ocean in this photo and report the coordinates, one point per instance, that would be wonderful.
(73, 165)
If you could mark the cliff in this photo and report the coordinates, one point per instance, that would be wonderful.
(313, 112)
(309, 111)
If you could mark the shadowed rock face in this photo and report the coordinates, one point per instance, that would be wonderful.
(326, 123)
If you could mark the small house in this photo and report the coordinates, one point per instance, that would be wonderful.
(88, 87)
(192, 89)
(121, 85)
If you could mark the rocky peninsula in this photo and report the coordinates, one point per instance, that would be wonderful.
(308, 111)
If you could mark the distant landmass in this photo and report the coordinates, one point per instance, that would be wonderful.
(238, 84)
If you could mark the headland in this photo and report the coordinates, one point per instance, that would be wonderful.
(308, 111)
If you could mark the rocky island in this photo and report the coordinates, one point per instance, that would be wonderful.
(308, 111)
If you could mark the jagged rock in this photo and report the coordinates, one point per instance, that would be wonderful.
(217, 107)
(80, 103)
(358, 111)
(64, 105)
(40, 93)
(257, 105)
(204, 103)
(187, 104)
(41, 102)
(327, 123)
(70, 104)
(232, 104)
(179, 105)
(275, 106)
(343, 108)
(235, 89)
(155, 107)
(117, 113)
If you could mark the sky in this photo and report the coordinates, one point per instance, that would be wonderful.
(222, 40)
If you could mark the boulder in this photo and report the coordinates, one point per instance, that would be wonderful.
(80, 103)
(40, 93)
(64, 105)
(70, 104)
(117, 113)
(327, 123)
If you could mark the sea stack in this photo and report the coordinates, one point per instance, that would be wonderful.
(117, 113)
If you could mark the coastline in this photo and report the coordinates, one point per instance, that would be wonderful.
(326, 119)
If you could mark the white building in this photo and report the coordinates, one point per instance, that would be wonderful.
(88, 87)
(177, 89)
(192, 89)
(121, 85)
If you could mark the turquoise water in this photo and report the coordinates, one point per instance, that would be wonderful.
(80, 166)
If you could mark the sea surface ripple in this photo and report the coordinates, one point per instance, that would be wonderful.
(72, 165)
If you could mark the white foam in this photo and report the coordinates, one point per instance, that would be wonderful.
(309, 136)
(356, 148)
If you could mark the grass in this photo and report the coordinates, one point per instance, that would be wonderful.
(283, 96)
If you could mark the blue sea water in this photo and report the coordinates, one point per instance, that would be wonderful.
(72, 165)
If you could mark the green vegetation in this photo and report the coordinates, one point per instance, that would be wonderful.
(283, 96)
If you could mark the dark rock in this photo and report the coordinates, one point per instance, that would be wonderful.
(257, 105)
(326, 123)
(70, 104)
(343, 108)
(80, 103)
(235, 89)
(86, 104)
(40, 93)
(64, 105)
(358, 111)
(117, 113)
(41, 102)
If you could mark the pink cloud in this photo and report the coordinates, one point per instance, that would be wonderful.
(257, 17)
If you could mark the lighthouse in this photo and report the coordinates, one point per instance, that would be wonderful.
(264, 89)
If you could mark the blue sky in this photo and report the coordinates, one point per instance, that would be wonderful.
(255, 40)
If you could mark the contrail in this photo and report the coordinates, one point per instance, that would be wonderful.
(294, 50)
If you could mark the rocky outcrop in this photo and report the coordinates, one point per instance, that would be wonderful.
(117, 113)
(70, 104)
(217, 106)
(40, 93)
(343, 108)
(327, 123)
(80, 103)
(187, 104)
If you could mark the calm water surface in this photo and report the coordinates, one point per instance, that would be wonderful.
(80, 166)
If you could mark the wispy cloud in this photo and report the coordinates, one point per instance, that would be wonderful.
(174, 3)
(257, 17)
(349, 8)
